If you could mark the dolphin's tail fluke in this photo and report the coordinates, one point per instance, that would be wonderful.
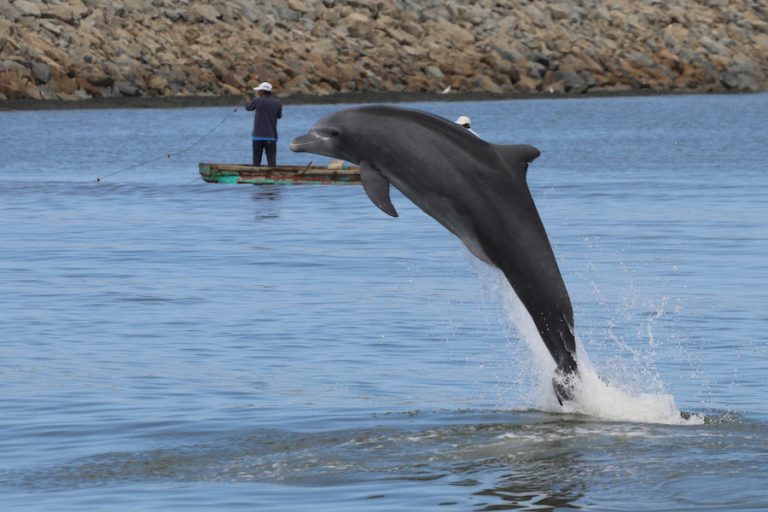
(563, 387)
(563, 382)
(561, 343)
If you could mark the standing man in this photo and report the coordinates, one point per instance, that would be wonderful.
(267, 111)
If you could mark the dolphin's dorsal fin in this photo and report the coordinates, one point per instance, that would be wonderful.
(377, 188)
(517, 156)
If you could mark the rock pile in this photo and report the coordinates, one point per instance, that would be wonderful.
(77, 49)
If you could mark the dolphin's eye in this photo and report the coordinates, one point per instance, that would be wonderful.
(334, 133)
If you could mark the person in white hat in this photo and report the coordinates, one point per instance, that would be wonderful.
(267, 111)
(466, 123)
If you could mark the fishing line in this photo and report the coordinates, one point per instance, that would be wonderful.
(175, 153)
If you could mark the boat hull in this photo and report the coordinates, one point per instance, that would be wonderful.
(279, 175)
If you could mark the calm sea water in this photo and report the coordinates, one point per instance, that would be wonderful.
(174, 345)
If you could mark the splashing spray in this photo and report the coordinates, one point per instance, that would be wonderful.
(593, 396)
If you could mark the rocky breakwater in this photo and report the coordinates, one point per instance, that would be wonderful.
(78, 49)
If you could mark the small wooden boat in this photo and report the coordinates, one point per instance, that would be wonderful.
(335, 173)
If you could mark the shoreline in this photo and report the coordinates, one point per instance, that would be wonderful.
(59, 54)
(330, 99)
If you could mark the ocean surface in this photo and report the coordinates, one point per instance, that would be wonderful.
(169, 344)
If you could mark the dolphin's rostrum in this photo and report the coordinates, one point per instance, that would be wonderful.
(477, 190)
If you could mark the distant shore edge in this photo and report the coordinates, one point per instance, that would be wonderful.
(340, 98)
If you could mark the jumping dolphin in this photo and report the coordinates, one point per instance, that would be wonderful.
(477, 190)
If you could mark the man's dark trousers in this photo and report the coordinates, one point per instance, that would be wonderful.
(267, 146)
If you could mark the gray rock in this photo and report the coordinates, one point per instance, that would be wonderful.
(285, 13)
(358, 25)
(739, 82)
(588, 78)
(7, 12)
(514, 75)
(434, 72)
(375, 82)
(300, 6)
(27, 8)
(11, 66)
(126, 88)
(742, 65)
(506, 50)
(41, 71)
(572, 82)
(46, 93)
(52, 27)
(713, 46)
(412, 28)
(204, 12)
(176, 14)
(640, 60)
(99, 78)
(250, 13)
(436, 13)
(564, 11)
(537, 70)
(486, 84)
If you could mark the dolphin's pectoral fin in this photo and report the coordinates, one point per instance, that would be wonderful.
(377, 188)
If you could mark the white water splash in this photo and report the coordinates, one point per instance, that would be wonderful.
(596, 398)
(593, 396)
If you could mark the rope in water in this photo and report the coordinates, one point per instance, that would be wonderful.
(169, 155)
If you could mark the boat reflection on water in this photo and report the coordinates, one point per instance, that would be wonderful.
(266, 199)
(270, 179)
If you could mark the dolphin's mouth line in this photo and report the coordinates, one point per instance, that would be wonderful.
(300, 144)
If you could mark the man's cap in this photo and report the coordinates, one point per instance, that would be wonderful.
(462, 120)
(263, 86)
